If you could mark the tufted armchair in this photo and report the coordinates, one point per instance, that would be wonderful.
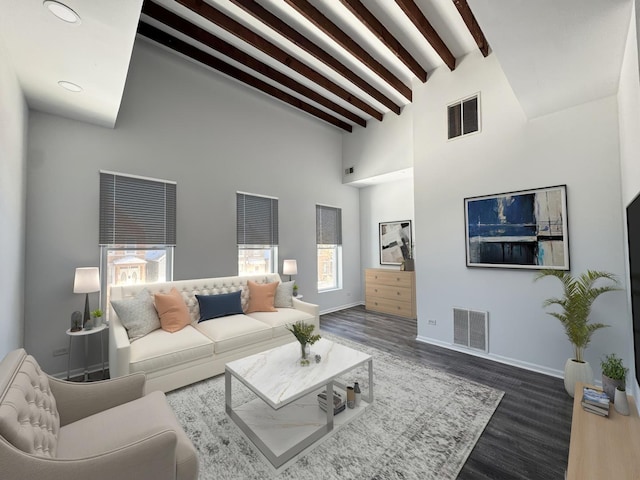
(52, 429)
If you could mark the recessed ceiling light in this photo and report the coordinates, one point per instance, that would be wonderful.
(61, 11)
(72, 87)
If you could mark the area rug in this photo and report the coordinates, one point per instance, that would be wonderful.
(422, 425)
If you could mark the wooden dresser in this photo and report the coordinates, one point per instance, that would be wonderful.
(603, 448)
(390, 291)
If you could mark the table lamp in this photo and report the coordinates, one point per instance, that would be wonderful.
(290, 267)
(87, 281)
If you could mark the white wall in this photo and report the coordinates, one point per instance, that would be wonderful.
(381, 148)
(382, 203)
(577, 147)
(13, 131)
(629, 121)
(180, 122)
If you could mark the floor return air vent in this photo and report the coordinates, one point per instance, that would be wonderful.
(471, 329)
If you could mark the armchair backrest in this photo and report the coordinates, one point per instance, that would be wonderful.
(29, 418)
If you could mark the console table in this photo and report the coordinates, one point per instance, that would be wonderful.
(603, 447)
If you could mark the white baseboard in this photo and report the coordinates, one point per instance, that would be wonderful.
(341, 307)
(496, 358)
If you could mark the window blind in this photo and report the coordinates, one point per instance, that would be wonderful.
(136, 211)
(256, 220)
(328, 225)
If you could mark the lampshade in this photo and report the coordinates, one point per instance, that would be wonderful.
(87, 280)
(290, 267)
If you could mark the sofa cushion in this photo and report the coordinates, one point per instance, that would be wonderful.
(215, 306)
(235, 331)
(173, 312)
(160, 349)
(29, 417)
(137, 314)
(123, 425)
(284, 295)
(261, 297)
(278, 320)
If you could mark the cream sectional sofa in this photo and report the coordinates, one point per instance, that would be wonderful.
(200, 350)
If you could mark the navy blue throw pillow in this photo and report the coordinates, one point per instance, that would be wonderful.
(216, 306)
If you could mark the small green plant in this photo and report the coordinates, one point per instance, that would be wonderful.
(304, 332)
(295, 290)
(613, 367)
(97, 313)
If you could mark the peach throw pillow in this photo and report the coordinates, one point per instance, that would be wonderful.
(261, 296)
(173, 312)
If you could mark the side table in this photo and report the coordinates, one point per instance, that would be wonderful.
(85, 334)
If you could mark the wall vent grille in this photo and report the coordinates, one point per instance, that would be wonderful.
(471, 329)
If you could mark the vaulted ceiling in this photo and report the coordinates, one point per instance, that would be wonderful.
(345, 62)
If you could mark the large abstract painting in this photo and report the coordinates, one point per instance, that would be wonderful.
(395, 242)
(525, 229)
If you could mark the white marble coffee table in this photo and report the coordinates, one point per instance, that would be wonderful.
(286, 419)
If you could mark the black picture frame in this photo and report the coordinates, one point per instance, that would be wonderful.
(395, 241)
(526, 229)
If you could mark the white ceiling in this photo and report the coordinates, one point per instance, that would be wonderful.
(555, 53)
(94, 54)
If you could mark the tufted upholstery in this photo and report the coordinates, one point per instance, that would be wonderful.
(200, 350)
(190, 288)
(104, 430)
(29, 416)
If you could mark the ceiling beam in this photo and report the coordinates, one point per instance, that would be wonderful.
(316, 17)
(472, 24)
(198, 55)
(223, 21)
(178, 23)
(380, 31)
(265, 16)
(416, 16)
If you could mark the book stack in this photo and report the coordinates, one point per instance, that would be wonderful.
(595, 401)
(339, 403)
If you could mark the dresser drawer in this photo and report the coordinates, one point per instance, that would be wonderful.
(389, 292)
(389, 277)
(402, 309)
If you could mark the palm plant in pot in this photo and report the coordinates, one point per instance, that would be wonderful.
(614, 375)
(578, 296)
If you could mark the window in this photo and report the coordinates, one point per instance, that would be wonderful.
(463, 117)
(137, 230)
(329, 245)
(257, 233)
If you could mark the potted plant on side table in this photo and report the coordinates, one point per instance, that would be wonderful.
(578, 296)
(614, 375)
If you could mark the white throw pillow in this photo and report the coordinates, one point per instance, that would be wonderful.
(137, 314)
(284, 294)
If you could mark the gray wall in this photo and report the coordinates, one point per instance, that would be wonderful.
(214, 137)
(629, 123)
(13, 128)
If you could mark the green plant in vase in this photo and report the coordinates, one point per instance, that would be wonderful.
(578, 295)
(614, 375)
(96, 315)
(304, 334)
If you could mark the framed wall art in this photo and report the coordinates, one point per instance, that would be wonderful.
(395, 242)
(524, 229)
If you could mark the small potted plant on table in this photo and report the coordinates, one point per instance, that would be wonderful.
(304, 334)
(614, 374)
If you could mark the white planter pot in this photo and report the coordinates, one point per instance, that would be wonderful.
(622, 403)
(576, 372)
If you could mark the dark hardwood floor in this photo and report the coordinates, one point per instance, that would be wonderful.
(527, 437)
